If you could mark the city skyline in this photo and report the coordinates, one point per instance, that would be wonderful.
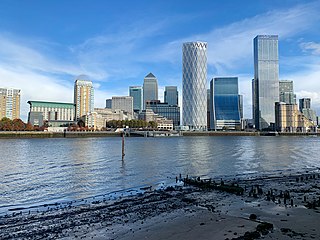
(47, 52)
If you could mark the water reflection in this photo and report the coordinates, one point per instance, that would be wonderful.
(42, 170)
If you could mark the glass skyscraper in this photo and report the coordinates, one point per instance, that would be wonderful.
(136, 93)
(225, 112)
(194, 85)
(171, 95)
(286, 92)
(266, 80)
(150, 89)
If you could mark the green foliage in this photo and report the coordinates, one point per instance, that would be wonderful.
(134, 123)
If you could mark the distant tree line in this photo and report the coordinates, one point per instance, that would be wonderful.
(6, 124)
(131, 124)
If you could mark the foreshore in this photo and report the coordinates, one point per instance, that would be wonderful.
(278, 206)
(84, 134)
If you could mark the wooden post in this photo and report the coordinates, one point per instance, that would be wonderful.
(123, 146)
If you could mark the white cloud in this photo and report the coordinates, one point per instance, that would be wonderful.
(313, 47)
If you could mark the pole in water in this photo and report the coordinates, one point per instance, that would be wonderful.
(123, 146)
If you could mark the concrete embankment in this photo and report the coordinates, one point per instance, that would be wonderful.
(220, 133)
(27, 134)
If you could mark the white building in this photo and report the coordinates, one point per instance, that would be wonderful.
(194, 85)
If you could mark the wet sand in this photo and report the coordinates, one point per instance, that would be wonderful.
(290, 203)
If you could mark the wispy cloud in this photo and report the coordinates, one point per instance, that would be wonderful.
(230, 47)
(312, 47)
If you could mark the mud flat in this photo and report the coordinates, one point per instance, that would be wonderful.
(282, 206)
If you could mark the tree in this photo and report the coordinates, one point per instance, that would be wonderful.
(18, 125)
(6, 124)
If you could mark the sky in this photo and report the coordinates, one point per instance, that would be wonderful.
(45, 45)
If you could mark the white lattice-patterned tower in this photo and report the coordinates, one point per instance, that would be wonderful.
(194, 85)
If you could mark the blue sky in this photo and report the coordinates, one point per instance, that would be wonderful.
(44, 45)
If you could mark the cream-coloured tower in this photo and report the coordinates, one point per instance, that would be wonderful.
(83, 96)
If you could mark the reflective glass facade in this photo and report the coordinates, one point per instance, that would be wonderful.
(171, 95)
(286, 92)
(136, 93)
(226, 104)
(194, 85)
(266, 80)
(171, 112)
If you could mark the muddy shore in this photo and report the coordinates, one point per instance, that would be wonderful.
(270, 207)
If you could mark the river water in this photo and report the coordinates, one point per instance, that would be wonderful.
(39, 171)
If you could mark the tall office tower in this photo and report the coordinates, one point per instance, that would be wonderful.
(171, 95)
(304, 103)
(108, 103)
(124, 103)
(266, 80)
(208, 108)
(136, 93)
(286, 93)
(305, 108)
(226, 113)
(9, 103)
(83, 96)
(194, 85)
(150, 89)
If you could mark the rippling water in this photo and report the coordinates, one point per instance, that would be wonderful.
(37, 171)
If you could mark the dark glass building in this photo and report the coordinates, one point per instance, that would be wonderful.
(225, 107)
(171, 95)
(171, 112)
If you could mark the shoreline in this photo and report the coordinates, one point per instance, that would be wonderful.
(32, 134)
(184, 213)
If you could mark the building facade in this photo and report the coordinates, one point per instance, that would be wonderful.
(266, 80)
(171, 95)
(171, 112)
(83, 97)
(304, 103)
(225, 113)
(194, 85)
(286, 93)
(150, 89)
(305, 108)
(290, 119)
(136, 93)
(108, 103)
(124, 103)
(61, 113)
(9, 103)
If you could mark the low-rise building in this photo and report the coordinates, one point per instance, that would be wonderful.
(290, 119)
(55, 112)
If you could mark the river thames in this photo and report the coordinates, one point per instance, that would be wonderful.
(40, 171)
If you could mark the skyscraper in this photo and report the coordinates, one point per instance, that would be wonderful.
(304, 103)
(171, 95)
(136, 93)
(226, 113)
(286, 93)
(266, 80)
(109, 103)
(9, 103)
(83, 96)
(124, 103)
(150, 89)
(194, 85)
